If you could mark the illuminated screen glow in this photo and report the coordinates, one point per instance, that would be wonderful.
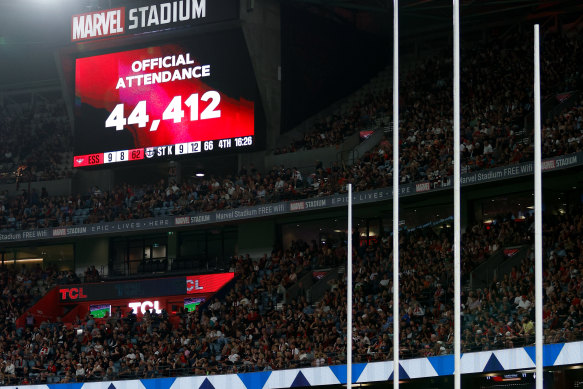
(176, 99)
(99, 311)
(190, 304)
(206, 283)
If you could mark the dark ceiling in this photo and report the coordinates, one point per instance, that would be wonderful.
(31, 30)
(417, 17)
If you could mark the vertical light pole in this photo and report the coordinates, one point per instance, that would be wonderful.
(538, 224)
(456, 196)
(349, 295)
(396, 194)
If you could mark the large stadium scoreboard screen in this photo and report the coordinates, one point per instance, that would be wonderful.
(177, 99)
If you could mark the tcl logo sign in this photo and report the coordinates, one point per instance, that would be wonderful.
(72, 293)
(145, 306)
(192, 286)
(207, 283)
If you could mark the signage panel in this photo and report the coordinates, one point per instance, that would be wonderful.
(149, 17)
(141, 289)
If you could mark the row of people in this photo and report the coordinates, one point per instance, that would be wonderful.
(421, 161)
(491, 126)
(495, 87)
(36, 140)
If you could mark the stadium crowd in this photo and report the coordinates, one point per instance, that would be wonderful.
(492, 122)
(250, 187)
(254, 327)
(491, 131)
(36, 140)
(490, 119)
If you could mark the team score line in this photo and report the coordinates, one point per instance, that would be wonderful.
(172, 112)
(188, 148)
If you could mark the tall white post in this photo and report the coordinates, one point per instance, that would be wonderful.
(538, 224)
(349, 295)
(396, 194)
(456, 196)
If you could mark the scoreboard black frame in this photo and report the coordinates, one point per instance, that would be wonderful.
(178, 97)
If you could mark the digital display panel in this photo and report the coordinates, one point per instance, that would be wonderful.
(173, 100)
(190, 304)
(99, 311)
(146, 288)
(207, 282)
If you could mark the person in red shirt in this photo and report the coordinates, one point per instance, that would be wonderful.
(51, 368)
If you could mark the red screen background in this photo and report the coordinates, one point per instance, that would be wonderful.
(95, 86)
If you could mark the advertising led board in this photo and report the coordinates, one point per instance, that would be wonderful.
(207, 282)
(140, 289)
(175, 100)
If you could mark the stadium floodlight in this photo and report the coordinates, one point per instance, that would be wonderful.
(456, 196)
(396, 194)
(538, 242)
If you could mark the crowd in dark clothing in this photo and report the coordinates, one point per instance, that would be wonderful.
(373, 170)
(254, 327)
(36, 141)
(491, 127)
(496, 96)
(496, 99)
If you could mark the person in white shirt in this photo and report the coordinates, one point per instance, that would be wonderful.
(10, 369)
(522, 302)
(80, 372)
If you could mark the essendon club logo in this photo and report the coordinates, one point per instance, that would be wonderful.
(88, 160)
(98, 24)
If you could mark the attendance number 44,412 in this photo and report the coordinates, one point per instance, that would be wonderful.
(172, 112)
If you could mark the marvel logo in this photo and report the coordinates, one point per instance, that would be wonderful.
(98, 24)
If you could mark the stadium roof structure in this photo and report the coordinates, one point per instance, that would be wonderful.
(418, 17)
(30, 30)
